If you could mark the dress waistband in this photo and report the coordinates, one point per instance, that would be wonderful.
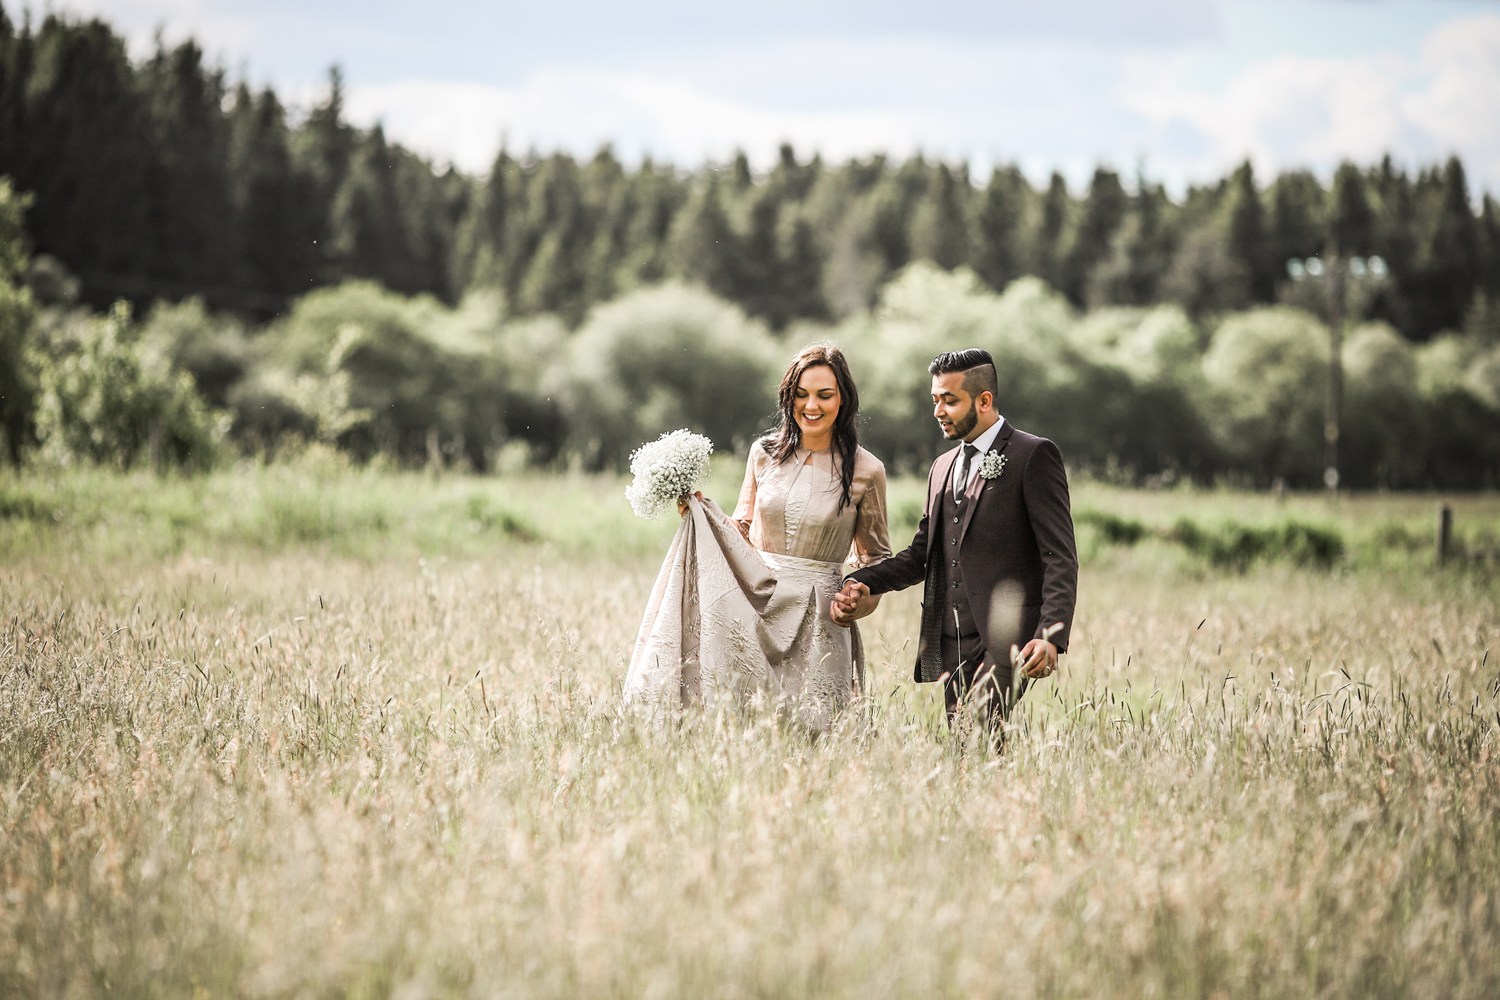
(799, 564)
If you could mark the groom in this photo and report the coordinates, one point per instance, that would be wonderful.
(994, 549)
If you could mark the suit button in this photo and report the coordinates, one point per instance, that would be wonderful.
(953, 541)
(955, 520)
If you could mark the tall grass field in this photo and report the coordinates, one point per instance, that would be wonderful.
(304, 730)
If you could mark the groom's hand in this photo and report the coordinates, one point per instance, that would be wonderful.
(851, 603)
(1037, 658)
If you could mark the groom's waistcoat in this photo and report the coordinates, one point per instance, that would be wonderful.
(958, 616)
(946, 592)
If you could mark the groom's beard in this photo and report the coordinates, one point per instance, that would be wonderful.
(962, 426)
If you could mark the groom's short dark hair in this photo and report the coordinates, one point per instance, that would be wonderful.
(977, 366)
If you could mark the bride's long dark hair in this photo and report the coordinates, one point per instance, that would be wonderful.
(782, 442)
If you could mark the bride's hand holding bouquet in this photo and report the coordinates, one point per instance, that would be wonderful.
(667, 471)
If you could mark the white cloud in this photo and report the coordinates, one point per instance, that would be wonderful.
(458, 123)
(222, 34)
(1304, 112)
(1460, 106)
(579, 112)
(1042, 105)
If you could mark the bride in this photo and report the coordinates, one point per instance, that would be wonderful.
(740, 606)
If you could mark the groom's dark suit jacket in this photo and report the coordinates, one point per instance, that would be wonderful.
(1015, 546)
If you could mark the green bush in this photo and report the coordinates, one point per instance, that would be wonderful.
(1264, 392)
(1383, 416)
(659, 359)
(359, 365)
(18, 377)
(1238, 546)
(213, 349)
(108, 399)
(514, 356)
(1114, 529)
(1454, 374)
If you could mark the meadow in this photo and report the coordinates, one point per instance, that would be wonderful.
(305, 730)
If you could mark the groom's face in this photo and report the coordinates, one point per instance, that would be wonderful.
(953, 407)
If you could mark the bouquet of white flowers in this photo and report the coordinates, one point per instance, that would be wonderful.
(670, 467)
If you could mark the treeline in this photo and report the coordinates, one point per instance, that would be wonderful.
(1136, 394)
(166, 179)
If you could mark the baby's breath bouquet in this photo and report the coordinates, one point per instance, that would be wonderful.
(670, 467)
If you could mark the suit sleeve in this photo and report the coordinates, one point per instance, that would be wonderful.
(1045, 485)
(903, 569)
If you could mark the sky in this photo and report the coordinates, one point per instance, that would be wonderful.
(1178, 91)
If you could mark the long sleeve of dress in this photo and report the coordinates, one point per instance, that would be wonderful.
(872, 533)
(744, 508)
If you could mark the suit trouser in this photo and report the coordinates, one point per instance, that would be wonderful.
(979, 680)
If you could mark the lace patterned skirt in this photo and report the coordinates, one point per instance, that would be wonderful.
(729, 624)
(822, 670)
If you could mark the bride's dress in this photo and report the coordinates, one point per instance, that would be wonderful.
(728, 619)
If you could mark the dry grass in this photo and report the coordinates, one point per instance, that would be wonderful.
(326, 767)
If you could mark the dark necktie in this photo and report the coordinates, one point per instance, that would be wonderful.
(961, 484)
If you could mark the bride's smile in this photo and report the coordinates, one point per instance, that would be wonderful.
(817, 407)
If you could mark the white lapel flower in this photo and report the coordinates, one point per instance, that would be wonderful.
(991, 465)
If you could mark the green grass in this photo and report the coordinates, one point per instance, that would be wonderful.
(309, 730)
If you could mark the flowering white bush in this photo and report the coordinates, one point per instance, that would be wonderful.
(670, 467)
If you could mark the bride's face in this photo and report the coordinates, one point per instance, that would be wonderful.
(816, 406)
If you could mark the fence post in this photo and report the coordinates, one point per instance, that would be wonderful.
(1444, 534)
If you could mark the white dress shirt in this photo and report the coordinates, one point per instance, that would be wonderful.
(983, 442)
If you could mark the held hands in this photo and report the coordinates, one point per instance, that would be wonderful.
(851, 603)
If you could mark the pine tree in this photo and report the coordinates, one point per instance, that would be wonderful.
(1140, 253)
(1351, 219)
(1447, 255)
(999, 253)
(192, 238)
(323, 149)
(1245, 233)
(658, 196)
(888, 235)
(371, 236)
(86, 154)
(272, 202)
(554, 276)
(1489, 242)
(941, 222)
(1046, 245)
(13, 49)
(1395, 241)
(757, 276)
(1100, 217)
(492, 227)
(801, 259)
(1297, 228)
(610, 200)
(18, 383)
(703, 247)
(794, 179)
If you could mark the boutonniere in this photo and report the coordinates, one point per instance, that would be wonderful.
(991, 465)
